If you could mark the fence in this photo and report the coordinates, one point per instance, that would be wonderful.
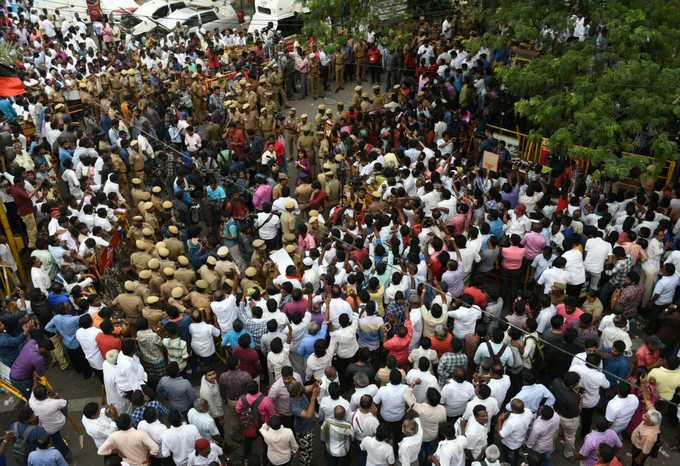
(521, 145)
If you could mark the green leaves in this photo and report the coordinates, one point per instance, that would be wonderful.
(599, 96)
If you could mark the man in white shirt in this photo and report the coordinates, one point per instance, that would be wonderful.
(86, 336)
(391, 398)
(597, 252)
(97, 423)
(512, 429)
(592, 380)
(476, 429)
(450, 452)
(336, 434)
(456, 394)
(621, 408)
(554, 274)
(421, 379)
(465, 317)
(281, 444)
(378, 451)
(202, 337)
(409, 447)
(267, 225)
(345, 339)
(225, 309)
(179, 439)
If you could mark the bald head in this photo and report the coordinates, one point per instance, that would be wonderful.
(517, 406)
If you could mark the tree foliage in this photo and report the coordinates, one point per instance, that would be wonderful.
(613, 95)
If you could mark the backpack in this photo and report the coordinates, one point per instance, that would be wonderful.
(20, 446)
(249, 418)
(493, 358)
(538, 358)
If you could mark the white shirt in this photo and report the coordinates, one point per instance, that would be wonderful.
(204, 422)
(155, 430)
(86, 338)
(455, 397)
(465, 319)
(427, 380)
(48, 411)
(200, 460)
(515, 429)
(100, 428)
(179, 442)
(354, 401)
(346, 339)
(499, 388)
(391, 400)
(114, 395)
(378, 453)
(577, 272)
(597, 252)
(203, 338)
(491, 405)
(620, 411)
(476, 433)
(409, 447)
(193, 142)
(40, 279)
(452, 452)
(268, 227)
(591, 381)
(364, 425)
(130, 375)
(551, 276)
(339, 306)
(613, 333)
(226, 312)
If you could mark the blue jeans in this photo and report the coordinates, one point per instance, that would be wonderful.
(510, 456)
(427, 450)
(360, 456)
(546, 458)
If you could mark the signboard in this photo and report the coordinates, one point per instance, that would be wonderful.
(512, 144)
(282, 259)
(490, 161)
(94, 10)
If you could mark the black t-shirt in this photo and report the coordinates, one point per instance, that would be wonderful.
(566, 399)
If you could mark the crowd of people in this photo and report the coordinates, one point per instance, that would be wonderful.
(358, 277)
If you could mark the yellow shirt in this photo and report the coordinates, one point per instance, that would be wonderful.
(666, 381)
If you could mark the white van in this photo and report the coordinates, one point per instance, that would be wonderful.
(285, 15)
(68, 8)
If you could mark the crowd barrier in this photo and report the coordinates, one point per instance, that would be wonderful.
(534, 150)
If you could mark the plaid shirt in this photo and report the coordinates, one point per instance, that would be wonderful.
(446, 365)
(138, 413)
(256, 327)
(618, 273)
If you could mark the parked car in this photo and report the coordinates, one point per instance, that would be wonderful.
(114, 9)
(160, 14)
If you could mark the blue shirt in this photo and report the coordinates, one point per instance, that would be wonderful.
(65, 326)
(231, 228)
(216, 194)
(306, 346)
(618, 366)
(182, 327)
(532, 395)
(56, 299)
(7, 110)
(231, 339)
(496, 228)
(64, 155)
(9, 347)
(47, 457)
(301, 424)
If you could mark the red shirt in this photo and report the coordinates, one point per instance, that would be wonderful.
(249, 361)
(21, 199)
(478, 296)
(398, 346)
(107, 342)
(441, 346)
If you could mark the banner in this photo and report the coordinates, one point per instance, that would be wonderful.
(106, 257)
(490, 161)
(94, 10)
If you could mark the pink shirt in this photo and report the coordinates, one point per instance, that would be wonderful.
(512, 257)
(534, 244)
(266, 407)
(306, 242)
(570, 320)
(262, 194)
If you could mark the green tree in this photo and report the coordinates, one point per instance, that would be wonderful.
(605, 95)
